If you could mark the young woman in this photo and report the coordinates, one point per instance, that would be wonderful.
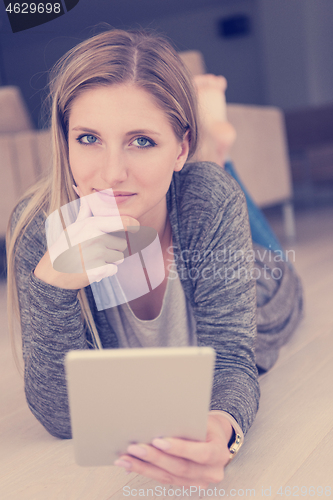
(124, 125)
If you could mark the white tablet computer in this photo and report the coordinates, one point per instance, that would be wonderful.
(123, 396)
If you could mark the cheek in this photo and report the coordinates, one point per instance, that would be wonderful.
(81, 165)
(156, 174)
(158, 164)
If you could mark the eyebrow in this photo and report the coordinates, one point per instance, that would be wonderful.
(132, 132)
(85, 129)
(143, 131)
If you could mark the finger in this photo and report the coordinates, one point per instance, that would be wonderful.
(109, 224)
(171, 464)
(98, 273)
(130, 224)
(85, 210)
(118, 262)
(56, 238)
(106, 240)
(97, 258)
(154, 472)
(214, 449)
(178, 467)
(87, 230)
(113, 242)
(69, 261)
(200, 452)
(114, 257)
(101, 250)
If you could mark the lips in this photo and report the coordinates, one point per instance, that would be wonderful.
(107, 195)
(111, 192)
(122, 197)
(122, 193)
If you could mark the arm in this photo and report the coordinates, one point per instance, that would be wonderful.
(225, 308)
(51, 325)
(214, 257)
(51, 319)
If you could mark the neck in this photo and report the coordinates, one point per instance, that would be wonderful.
(166, 236)
(159, 220)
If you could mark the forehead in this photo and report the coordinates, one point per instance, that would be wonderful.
(119, 101)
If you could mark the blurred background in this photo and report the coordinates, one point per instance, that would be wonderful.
(272, 52)
(278, 53)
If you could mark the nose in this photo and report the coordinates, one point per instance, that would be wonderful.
(113, 168)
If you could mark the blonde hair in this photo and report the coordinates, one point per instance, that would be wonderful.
(148, 61)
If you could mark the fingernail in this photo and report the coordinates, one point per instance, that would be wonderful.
(118, 262)
(137, 451)
(123, 463)
(161, 444)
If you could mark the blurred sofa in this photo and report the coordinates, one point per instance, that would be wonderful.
(24, 152)
(310, 140)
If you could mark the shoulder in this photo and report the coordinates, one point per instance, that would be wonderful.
(17, 213)
(204, 187)
(32, 223)
(206, 206)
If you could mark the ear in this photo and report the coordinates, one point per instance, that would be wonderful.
(183, 155)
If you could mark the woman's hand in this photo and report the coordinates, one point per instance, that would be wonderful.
(181, 462)
(85, 252)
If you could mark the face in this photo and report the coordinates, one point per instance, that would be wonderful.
(119, 138)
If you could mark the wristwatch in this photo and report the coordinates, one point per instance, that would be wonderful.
(237, 437)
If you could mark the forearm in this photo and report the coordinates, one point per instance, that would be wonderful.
(231, 331)
(237, 394)
(70, 281)
(226, 313)
(51, 326)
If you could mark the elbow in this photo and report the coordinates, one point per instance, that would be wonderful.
(59, 433)
(55, 421)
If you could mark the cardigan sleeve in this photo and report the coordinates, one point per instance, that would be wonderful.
(51, 325)
(226, 315)
(216, 267)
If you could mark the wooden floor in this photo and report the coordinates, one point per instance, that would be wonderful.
(288, 451)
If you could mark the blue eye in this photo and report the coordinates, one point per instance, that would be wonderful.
(143, 142)
(87, 139)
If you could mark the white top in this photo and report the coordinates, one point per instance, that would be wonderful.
(174, 326)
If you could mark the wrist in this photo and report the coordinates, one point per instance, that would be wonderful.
(237, 437)
(44, 271)
(224, 423)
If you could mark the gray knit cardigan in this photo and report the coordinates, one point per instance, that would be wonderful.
(211, 239)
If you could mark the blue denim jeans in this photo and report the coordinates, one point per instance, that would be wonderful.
(261, 231)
